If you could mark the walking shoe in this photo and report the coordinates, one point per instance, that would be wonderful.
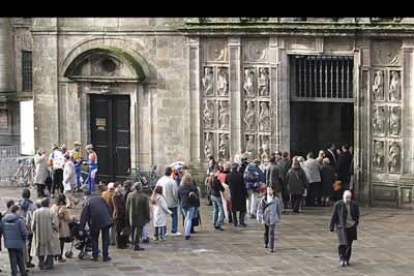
(107, 259)
(138, 248)
(30, 265)
(147, 240)
(243, 224)
(155, 238)
(346, 262)
(176, 234)
(342, 263)
(187, 237)
(167, 234)
(219, 228)
(266, 246)
(252, 216)
(272, 250)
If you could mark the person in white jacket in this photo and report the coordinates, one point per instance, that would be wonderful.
(160, 211)
(69, 181)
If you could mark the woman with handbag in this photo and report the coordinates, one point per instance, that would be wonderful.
(63, 215)
(296, 182)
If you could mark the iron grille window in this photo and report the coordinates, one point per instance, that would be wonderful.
(321, 77)
(27, 71)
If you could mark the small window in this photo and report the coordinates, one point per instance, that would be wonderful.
(27, 71)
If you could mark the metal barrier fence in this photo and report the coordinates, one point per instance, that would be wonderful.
(9, 151)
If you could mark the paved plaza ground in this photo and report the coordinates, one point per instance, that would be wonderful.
(304, 246)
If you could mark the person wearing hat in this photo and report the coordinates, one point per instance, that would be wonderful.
(93, 167)
(77, 161)
(138, 213)
(56, 161)
(108, 196)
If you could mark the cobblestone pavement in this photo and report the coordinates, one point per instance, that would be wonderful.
(304, 246)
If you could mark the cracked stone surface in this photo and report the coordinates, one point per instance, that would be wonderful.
(304, 246)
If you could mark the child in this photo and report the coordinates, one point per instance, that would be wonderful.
(160, 213)
(268, 213)
(15, 235)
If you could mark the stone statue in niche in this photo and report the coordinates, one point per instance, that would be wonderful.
(264, 144)
(395, 86)
(394, 155)
(395, 120)
(208, 81)
(222, 82)
(264, 116)
(264, 81)
(249, 116)
(250, 144)
(378, 121)
(208, 145)
(248, 85)
(208, 114)
(378, 86)
(224, 114)
(224, 146)
(378, 159)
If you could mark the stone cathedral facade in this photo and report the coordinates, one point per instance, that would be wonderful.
(157, 90)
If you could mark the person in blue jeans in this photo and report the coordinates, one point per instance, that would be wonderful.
(15, 235)
(218, 213)
(189, 198)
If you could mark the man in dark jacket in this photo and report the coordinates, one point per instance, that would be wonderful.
(120, 219)
(238, 194)
(138, 213)
(97, 214)
(273, 174)
(343, 167)
(345, 218)
(15, 235)
(331, 154)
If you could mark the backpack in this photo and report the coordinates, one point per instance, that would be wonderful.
(192, 198)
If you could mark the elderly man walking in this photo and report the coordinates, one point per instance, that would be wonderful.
(345, 218)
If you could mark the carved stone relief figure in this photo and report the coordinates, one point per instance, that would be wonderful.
(264, 81)
(378, 121)
(250, 143)
(378, 158)
(208, 81)
(224, 114)
(222, 82)
(224, 146)
(264, 144)
(208, 114)
(264, 116)
(378, 86)
(394, 155)
(395, 86)
(248, 85)
(208, 144)
(255, 50)
(249, 115)
(395, 120)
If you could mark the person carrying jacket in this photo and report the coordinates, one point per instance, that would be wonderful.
(253, 176)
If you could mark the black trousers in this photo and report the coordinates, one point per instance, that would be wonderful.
(241, 218)
(40, 190)
(29, 246)
(269, 235)
(296, 201)
(17, 259)
(120, 240)
(136, 234)
(345, 250)
(105, 243)
(45, 262)
(57, 181)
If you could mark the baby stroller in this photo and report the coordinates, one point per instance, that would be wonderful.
(83, 242)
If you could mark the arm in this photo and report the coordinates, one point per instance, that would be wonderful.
(334, 218)
(85, 216)
(164, 207)
(23, 229)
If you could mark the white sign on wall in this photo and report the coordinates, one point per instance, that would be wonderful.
(27, 128)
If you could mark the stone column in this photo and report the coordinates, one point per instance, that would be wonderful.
(275, 142)
(235, 96)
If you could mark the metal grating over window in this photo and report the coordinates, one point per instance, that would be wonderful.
(321, 78)
(27, 85)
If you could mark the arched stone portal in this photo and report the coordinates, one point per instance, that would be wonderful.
(99, 92)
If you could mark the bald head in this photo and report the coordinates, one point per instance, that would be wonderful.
(347, 196)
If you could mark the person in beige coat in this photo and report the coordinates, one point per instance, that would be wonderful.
(45, 228)
(63, 214)
(42, 172)
(69, 181)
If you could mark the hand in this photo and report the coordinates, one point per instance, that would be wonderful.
(80, 233)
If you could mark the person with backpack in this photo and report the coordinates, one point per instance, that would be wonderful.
(27, 208)
(269, 213)
(188, 197)
(253, 176)
(13, 228)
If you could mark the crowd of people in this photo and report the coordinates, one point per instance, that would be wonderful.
(121, 213)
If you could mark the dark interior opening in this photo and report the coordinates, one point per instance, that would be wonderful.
(316, 124)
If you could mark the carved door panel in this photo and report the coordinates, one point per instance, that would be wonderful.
(110, 135)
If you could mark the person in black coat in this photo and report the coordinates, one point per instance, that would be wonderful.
(331, 154)
(238, 194)
(345, 218)
(328, 178)
(96, 212)
(343, 167)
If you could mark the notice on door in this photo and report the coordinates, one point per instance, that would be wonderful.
(100, 123)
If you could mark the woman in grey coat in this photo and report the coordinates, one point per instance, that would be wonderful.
(42, 172)
(296, 182)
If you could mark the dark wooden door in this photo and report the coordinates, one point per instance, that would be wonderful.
(110, 135)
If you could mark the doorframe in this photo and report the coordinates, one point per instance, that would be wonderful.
(128, 89)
